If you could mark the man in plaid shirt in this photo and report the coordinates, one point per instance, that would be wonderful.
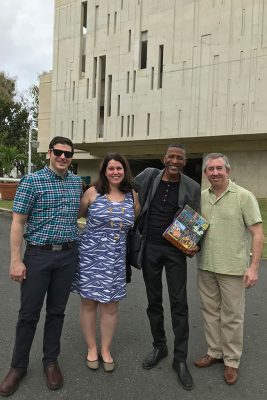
(47, 202)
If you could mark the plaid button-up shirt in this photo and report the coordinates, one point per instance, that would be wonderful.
(52, 205)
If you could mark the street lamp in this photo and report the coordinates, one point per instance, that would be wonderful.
(32, 144)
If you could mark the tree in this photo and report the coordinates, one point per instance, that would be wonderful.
(10, 157)
(14, 121)
(18, 114)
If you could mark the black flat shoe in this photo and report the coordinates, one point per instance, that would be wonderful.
(154, 357)
(184, 377)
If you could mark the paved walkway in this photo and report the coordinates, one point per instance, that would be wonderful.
(131, 344)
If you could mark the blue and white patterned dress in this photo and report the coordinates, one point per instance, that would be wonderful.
(101, 275)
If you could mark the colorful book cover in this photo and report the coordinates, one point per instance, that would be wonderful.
(187, 229)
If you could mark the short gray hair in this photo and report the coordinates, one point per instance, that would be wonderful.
(213, 156)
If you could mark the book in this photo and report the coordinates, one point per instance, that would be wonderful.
(187, 229)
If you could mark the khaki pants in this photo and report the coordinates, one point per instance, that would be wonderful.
(223, 306)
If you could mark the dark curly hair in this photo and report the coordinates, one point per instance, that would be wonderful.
(102, 184)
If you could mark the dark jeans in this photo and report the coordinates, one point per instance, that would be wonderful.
(155, 258)
(48, 273)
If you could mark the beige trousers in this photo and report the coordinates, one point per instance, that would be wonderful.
(223, 306)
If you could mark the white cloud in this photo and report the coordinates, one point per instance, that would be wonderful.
(26, 39)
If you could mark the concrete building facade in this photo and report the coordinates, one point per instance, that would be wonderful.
(135, 75)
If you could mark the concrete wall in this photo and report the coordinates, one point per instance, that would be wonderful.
(248, 169)
(214, 69)
(44, 117)
(214, 76)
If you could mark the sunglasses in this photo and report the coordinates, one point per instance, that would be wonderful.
(58, 153)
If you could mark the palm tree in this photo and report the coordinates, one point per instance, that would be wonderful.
(9, 157)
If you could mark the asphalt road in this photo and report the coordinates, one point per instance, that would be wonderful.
(131, 343)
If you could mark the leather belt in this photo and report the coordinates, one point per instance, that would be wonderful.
(53, 247)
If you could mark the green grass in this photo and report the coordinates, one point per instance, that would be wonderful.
(262, 202)
(6, 204)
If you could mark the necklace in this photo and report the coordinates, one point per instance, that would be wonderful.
(110, 209)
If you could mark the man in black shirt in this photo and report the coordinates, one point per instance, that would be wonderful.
(163, 193)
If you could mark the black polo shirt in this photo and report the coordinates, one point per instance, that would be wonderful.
(162, 210)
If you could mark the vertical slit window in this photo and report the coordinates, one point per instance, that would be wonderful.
(96, 17)
(87, 88)
(96, 22)
(143, 50)
(241, 62)
(242, 115)
(147, 124)
(109, 94)
(73, 90)
(121, 4)
(152, 79)
(160, 74)
(102, 92)
(84, 129)
(129, 40)
(122, 123)
(83, 36)
(132, 127)
(115, 21)
(127, 82)
(119, 105)
(134, 80)
(243, 22)
(108, 24)
(101, 122)
(128, 125)
(94, 77)
(72, 130)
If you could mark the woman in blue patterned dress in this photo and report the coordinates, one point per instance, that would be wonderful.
(111, 205)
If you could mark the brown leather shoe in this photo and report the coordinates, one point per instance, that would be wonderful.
(230, 375)
(54, 378)
(207, 361)
(11, 382)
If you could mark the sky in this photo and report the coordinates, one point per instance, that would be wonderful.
(26, 39)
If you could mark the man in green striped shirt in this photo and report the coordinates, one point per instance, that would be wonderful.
(225, 265)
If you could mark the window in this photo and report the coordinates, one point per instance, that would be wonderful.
(147, 124)
(132, 128)
(84, 17)
(72, 130)
(84, 129)
(101, 122)
(108, 24)
(134, 80)
(122, 122)
(73, 90)
(152, 79)
(129, 40)
(109, 95)
(128, 125)
(119, 105)
(83, 36)
(115, 22)
(127, 82)
(87, 88)
(143, 50)
(94, 77)
(160, 74)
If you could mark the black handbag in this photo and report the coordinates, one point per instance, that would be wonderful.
(135, 248)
